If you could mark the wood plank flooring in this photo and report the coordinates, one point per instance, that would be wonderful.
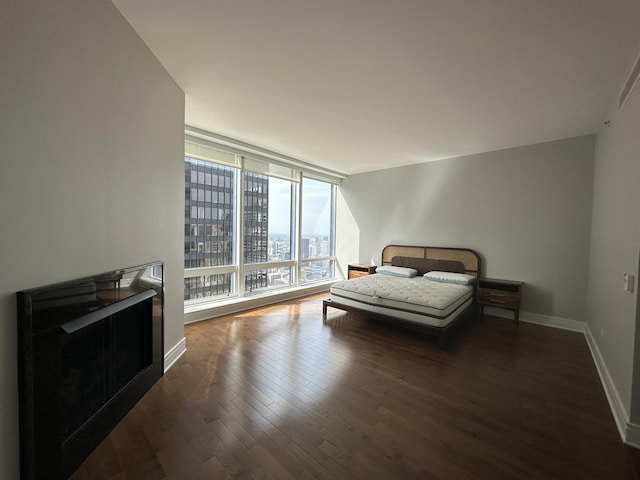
(276, 393)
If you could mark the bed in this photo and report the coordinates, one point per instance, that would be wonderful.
(426, 288)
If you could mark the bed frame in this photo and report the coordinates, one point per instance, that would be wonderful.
(442, 256)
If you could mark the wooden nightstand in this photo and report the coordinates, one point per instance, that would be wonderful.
(493, 292)
(355, 270)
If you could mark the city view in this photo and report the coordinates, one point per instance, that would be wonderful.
(311, 246)
(268, 206)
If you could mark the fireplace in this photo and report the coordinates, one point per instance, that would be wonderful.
(88, 350)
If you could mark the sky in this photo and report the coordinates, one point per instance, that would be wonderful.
(316, 206)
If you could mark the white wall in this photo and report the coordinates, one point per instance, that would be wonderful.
(91, 159)
(526, 210)
(615, 244)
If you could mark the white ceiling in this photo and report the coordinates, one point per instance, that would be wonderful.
(361, 85)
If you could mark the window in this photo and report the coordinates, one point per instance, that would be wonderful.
(252, 225)
(317, 239)
(209, 228)
(269, 231)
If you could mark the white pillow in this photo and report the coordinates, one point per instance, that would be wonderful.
(450, 277)
(397, 271)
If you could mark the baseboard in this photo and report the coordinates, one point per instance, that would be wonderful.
(539, 319)
(628, 432)
(555, 322)
(174, 354)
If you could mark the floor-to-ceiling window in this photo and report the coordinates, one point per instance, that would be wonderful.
(269, 247)
(317, 250)
(253, 225)
(209, 226)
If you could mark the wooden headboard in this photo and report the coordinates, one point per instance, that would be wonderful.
(403, 254)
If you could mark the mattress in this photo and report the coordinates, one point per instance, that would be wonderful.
(414, 299)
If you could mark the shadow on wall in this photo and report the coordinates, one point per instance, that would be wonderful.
(347, 235)
(399, 206)
(537, 299)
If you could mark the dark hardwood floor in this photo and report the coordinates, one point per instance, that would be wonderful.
(278, 393)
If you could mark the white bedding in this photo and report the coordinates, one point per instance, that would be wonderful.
(414, 299)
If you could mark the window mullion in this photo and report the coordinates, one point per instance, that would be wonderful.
(332, 221)
(240, 281)
(298, 236)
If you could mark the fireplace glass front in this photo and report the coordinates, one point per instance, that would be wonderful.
(88, 351)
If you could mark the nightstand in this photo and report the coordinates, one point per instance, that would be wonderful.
(493, 292)
(355, 270)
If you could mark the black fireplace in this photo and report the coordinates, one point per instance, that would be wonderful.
(88, 350)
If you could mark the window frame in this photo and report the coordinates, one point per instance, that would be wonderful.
(332, 233)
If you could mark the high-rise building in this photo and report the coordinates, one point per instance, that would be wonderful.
(256, 228)
(209, 226)
(304, 247)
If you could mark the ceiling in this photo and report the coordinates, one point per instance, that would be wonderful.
(362, 85)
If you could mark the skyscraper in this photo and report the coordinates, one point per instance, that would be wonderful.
(256, 228)
(209, 226)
